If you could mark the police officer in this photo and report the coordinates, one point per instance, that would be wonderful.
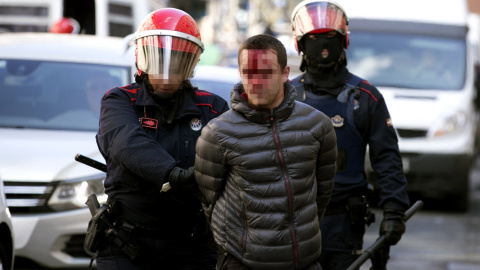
(360, 117)
(147, 136)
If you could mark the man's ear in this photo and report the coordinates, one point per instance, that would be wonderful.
(286, 72)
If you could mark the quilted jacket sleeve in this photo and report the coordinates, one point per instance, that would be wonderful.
(326, 165)
(210, 169)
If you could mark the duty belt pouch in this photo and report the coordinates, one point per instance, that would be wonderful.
(122, 238)
(359, 211)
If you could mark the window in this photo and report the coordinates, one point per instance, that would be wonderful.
(55, 95)
(120, 20)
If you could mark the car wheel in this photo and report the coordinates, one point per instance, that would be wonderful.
(4, 263)
(461, 199)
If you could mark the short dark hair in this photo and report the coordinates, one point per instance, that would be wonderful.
(265, 42)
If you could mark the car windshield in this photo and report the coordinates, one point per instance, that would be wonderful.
(408, 61)
(55, 95)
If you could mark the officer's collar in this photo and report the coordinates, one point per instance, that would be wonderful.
(186, 101)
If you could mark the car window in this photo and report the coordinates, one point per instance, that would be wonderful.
(222, 89)
(407, 60)
(55, 95)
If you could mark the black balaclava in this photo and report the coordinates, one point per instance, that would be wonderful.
(324, 60)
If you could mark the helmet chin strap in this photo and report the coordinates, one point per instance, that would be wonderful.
(139, 78)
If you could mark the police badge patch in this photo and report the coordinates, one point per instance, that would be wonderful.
(338, 121)
(148, 122)
(196, 124)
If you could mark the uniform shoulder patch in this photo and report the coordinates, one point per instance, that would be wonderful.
(202, 93)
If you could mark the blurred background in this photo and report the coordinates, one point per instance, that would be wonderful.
(435, 238)
(224, 24)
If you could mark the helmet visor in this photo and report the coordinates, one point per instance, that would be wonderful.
(318, 17)
(167, 56)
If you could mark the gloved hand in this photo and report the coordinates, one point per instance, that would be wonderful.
(393, 225)
(183, 179)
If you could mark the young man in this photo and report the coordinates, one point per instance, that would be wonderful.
(147, 135)
(360, 117)
(266, 167)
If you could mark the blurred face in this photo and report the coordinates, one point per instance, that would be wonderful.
(165, 86)
(262, 77)
(168, 61)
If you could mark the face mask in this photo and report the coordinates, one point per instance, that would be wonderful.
(321, 51)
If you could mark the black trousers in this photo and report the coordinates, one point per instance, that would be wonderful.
(227, 262)
(342, 242)
(182, 253)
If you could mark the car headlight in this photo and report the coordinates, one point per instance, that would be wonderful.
(73, 194)
(453, 123)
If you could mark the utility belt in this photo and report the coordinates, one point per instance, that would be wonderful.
(107, 225)
(358, 208)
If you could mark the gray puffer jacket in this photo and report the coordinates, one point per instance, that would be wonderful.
(267, 177)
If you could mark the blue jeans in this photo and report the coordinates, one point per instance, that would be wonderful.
(159, 253)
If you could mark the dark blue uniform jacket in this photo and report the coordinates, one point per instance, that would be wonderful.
(371, 125)
(142, 141)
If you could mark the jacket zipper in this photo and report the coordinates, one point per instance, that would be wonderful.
(289, 191)
(245, 230)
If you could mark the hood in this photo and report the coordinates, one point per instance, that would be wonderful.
(283, 111)
(44, 155)
(412, 109)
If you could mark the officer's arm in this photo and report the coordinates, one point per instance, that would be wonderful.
(387, 163)
(125, 142)
(384, 154)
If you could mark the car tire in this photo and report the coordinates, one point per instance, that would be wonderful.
(460, 200)
(4, 259)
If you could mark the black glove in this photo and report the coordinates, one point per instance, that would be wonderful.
(380, 258)
(183, 179)
(393, 225)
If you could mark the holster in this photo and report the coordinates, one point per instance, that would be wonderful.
(105, 225)
(96, 231)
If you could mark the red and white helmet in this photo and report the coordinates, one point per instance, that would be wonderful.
(313, 16)
(65, 26)
(168, 42)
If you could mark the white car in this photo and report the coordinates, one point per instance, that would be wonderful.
(216, 79)
(426, 66)
(50, 89)
(7, 251)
